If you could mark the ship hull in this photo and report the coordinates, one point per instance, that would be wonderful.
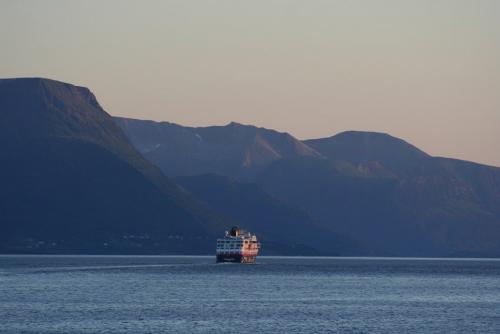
(236, 258)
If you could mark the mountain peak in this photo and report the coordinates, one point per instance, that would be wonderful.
(34, 79)
(236, 124)
(360, 147)
(356, 133)
(367, 135)
(43, 107)
(50, 86)
(233, 149)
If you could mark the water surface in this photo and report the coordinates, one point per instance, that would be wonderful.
(164, 294)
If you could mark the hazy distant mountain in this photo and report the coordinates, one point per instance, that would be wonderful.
(377, 152)
(281, 225)
(235, 149)
(384, 191)
(374, 188)
(72, 182)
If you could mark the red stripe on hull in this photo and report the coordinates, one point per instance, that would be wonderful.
(236, 258)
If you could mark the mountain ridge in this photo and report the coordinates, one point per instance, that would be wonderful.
(383, 192)
(250, 149)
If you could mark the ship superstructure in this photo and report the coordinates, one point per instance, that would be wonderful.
(237, 246)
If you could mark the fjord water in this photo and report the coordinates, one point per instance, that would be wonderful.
(114, 294)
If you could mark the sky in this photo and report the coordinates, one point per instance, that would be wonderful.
(427, 71)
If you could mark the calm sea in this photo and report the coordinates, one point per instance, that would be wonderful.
(111, 294)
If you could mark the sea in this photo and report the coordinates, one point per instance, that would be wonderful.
(186, 294)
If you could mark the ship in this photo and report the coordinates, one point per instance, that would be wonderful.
(237, 246)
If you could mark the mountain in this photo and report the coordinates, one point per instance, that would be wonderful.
(286, 228)
(72, 182)
(384, 191)
(378, 190)
(376, 151)
(75, 180)
(342, 198)
(235, 150)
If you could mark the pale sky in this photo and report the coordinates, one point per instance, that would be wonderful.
(427, 71)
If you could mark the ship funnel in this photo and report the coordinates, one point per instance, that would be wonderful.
(235, 231)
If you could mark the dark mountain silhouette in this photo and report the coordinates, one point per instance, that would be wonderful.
(235, 149)
(282, 225)
(374, 188)
(72, 182)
